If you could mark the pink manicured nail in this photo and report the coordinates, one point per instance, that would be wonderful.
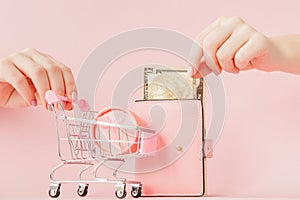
(34, 103)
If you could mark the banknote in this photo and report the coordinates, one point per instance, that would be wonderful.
(161, 82)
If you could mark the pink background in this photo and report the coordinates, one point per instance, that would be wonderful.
(258, 153)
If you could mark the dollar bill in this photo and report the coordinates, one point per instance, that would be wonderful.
(166, 83)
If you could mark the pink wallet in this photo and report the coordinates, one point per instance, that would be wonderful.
(177, 168)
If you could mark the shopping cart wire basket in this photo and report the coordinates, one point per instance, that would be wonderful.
(93, 143)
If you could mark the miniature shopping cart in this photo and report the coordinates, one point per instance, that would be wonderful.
(92, 143)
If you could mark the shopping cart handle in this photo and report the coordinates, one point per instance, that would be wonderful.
(52, 97)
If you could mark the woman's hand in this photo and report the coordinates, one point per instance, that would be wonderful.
(26, 76)
(231, 45)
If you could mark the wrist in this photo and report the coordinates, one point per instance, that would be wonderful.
(286, 53)
(279, 53)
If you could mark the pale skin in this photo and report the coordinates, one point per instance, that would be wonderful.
(27, 75)
(230, 44)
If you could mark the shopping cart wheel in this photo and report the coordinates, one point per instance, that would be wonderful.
(54, 191)
(136, 191)
(121, 190)
(82, 189)
(121, 194)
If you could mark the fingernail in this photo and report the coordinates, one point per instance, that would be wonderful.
(190, 71)
(74, 96)
(34, 103)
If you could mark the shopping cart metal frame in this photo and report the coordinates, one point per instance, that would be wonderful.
(83, 151)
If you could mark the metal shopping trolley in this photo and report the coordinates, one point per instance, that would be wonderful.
(92, 143)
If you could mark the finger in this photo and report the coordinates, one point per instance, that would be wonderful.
(53, 70)
(65, 85)
(196, 52)
(19, 81)
(225, 54)
(210, 28)
(210, 46)
(255, 47)
(35, 72)
(69, 81)
(215, 39)
(37, 96)
(200, 71)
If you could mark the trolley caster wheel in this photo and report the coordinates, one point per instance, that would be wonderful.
(54, 191)
(121, 190)
(121, 194)
(136, 192)
(83, 190)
